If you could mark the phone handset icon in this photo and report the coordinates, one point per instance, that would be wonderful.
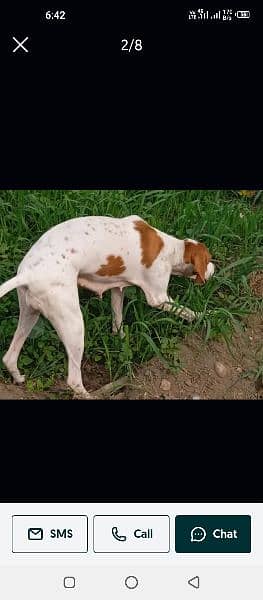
(119, 538)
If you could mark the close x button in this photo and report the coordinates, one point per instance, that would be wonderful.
(20, 45)
(213, 533)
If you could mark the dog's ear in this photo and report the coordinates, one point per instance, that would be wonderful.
(198, 255)
(200, 265)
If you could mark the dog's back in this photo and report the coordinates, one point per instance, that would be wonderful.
(97, 246)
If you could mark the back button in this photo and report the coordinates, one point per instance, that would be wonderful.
(194, 582)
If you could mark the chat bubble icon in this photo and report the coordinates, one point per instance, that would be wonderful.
(198, 534)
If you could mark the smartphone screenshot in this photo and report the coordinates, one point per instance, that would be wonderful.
(131, 287)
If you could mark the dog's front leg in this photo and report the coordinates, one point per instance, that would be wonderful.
(155, 289)
(182, 311)
(163, 302)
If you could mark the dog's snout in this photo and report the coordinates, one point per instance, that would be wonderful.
(210, 270)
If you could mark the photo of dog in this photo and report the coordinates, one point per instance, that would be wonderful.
(100, 253)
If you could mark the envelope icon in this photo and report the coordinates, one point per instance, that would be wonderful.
(35, 533)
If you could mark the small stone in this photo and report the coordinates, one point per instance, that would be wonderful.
(165, 385)
(239, 369)
(187, 382)
(196, 397)
(220, 369)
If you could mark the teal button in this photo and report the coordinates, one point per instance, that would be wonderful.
(213, 533)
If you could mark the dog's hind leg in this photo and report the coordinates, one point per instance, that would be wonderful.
(61, 308)
(27, 319)
(117, 307)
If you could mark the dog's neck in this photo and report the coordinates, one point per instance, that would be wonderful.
(179, 264)
(178, 252)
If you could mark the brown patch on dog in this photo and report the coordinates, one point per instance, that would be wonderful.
(151, 243)
(114, 266)
(199, 256)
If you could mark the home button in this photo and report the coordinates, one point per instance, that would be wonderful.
(131, 582)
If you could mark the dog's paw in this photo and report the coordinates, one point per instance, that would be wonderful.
(82, 395)
(187, 314)
(119, 332)
(18, 379)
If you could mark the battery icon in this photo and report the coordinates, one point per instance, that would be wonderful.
(243, 14)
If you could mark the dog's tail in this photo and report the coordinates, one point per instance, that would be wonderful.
(13, 283)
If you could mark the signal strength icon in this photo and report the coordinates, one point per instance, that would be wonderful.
(216, 16)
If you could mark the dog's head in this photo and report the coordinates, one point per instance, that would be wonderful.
(196, 263)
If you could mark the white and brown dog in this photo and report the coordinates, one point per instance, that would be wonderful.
(97, 253)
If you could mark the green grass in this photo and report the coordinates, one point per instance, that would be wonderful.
(231, 226)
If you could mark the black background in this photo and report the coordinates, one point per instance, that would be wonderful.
(77, 112)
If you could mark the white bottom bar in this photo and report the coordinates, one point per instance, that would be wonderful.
(99, 583)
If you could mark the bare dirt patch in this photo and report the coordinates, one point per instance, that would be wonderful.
(211, 370)
(199, 377)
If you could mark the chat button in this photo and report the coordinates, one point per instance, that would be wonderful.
(213, 533)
